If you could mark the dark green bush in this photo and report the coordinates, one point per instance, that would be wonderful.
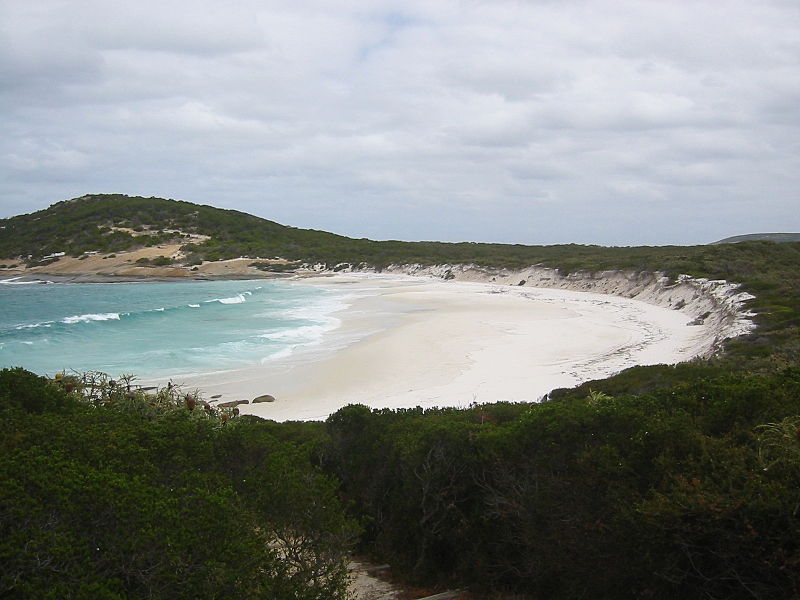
(22, 389)
(107, 500)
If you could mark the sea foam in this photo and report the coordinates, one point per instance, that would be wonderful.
(238, 299)
(163, 329)
(15, 281)
(35, 325)
(304, 333)
(91, 317)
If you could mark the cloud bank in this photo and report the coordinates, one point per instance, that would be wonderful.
(608, 122)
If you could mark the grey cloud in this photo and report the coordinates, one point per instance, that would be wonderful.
(605, 122)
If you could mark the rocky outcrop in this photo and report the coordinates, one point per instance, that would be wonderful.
(718, 304)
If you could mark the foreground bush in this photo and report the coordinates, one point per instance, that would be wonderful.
(108, 494)
(687, 492)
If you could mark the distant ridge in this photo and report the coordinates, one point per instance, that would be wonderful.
(760, 237)
(131, 235)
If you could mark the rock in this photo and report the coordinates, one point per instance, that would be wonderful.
(264, 398)
(231, 403)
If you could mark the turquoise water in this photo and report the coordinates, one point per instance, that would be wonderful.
(160, 330)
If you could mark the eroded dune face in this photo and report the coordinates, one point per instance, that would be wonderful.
(717, 303)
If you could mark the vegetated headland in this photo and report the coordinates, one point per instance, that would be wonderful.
(659, 482)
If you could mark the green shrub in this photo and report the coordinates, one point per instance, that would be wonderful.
(23, 389)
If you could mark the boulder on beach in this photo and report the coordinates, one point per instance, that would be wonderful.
(231, 403)
(264, 398)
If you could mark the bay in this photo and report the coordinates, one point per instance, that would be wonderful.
(161, 329)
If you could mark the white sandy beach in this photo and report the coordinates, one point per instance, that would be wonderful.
(419, 342)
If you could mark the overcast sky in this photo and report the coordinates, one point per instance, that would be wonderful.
(536, 122)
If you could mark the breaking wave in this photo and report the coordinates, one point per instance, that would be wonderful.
(158, 329)
(91, 317)
(237, 299)
(15, 281)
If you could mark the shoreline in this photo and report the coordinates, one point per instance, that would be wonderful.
(44, 278)
(452, 335)
(419, 342)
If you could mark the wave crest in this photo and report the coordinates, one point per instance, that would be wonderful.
(91, 317)
(237, 299)
(35, 325)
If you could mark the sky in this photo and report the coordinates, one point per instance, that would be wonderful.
(529, 121)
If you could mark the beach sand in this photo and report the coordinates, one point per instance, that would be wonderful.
(418, 342)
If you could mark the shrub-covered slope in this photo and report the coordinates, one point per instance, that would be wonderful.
(114, 222)
(109, 493)
(686, 492)
(761, 237)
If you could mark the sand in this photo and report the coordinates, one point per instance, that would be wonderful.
(407, 342)
(122, 265)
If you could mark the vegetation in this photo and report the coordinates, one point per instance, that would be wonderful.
(751, 237)
(687, 492)
(104, 223)
(660, 482)
(108, 222)
(158, 261)
(273, 267)
(108, 492)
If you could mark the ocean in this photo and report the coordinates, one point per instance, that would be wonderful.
(161, 329)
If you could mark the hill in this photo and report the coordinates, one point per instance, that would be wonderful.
(761, 237)
(115, 222)
(109, 223)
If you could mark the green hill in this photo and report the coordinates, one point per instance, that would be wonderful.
(761, 237)
(115, 222)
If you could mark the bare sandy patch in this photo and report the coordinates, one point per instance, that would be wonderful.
(124, 264)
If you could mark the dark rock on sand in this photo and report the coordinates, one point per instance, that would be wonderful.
(231, 403)
(264, 398)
